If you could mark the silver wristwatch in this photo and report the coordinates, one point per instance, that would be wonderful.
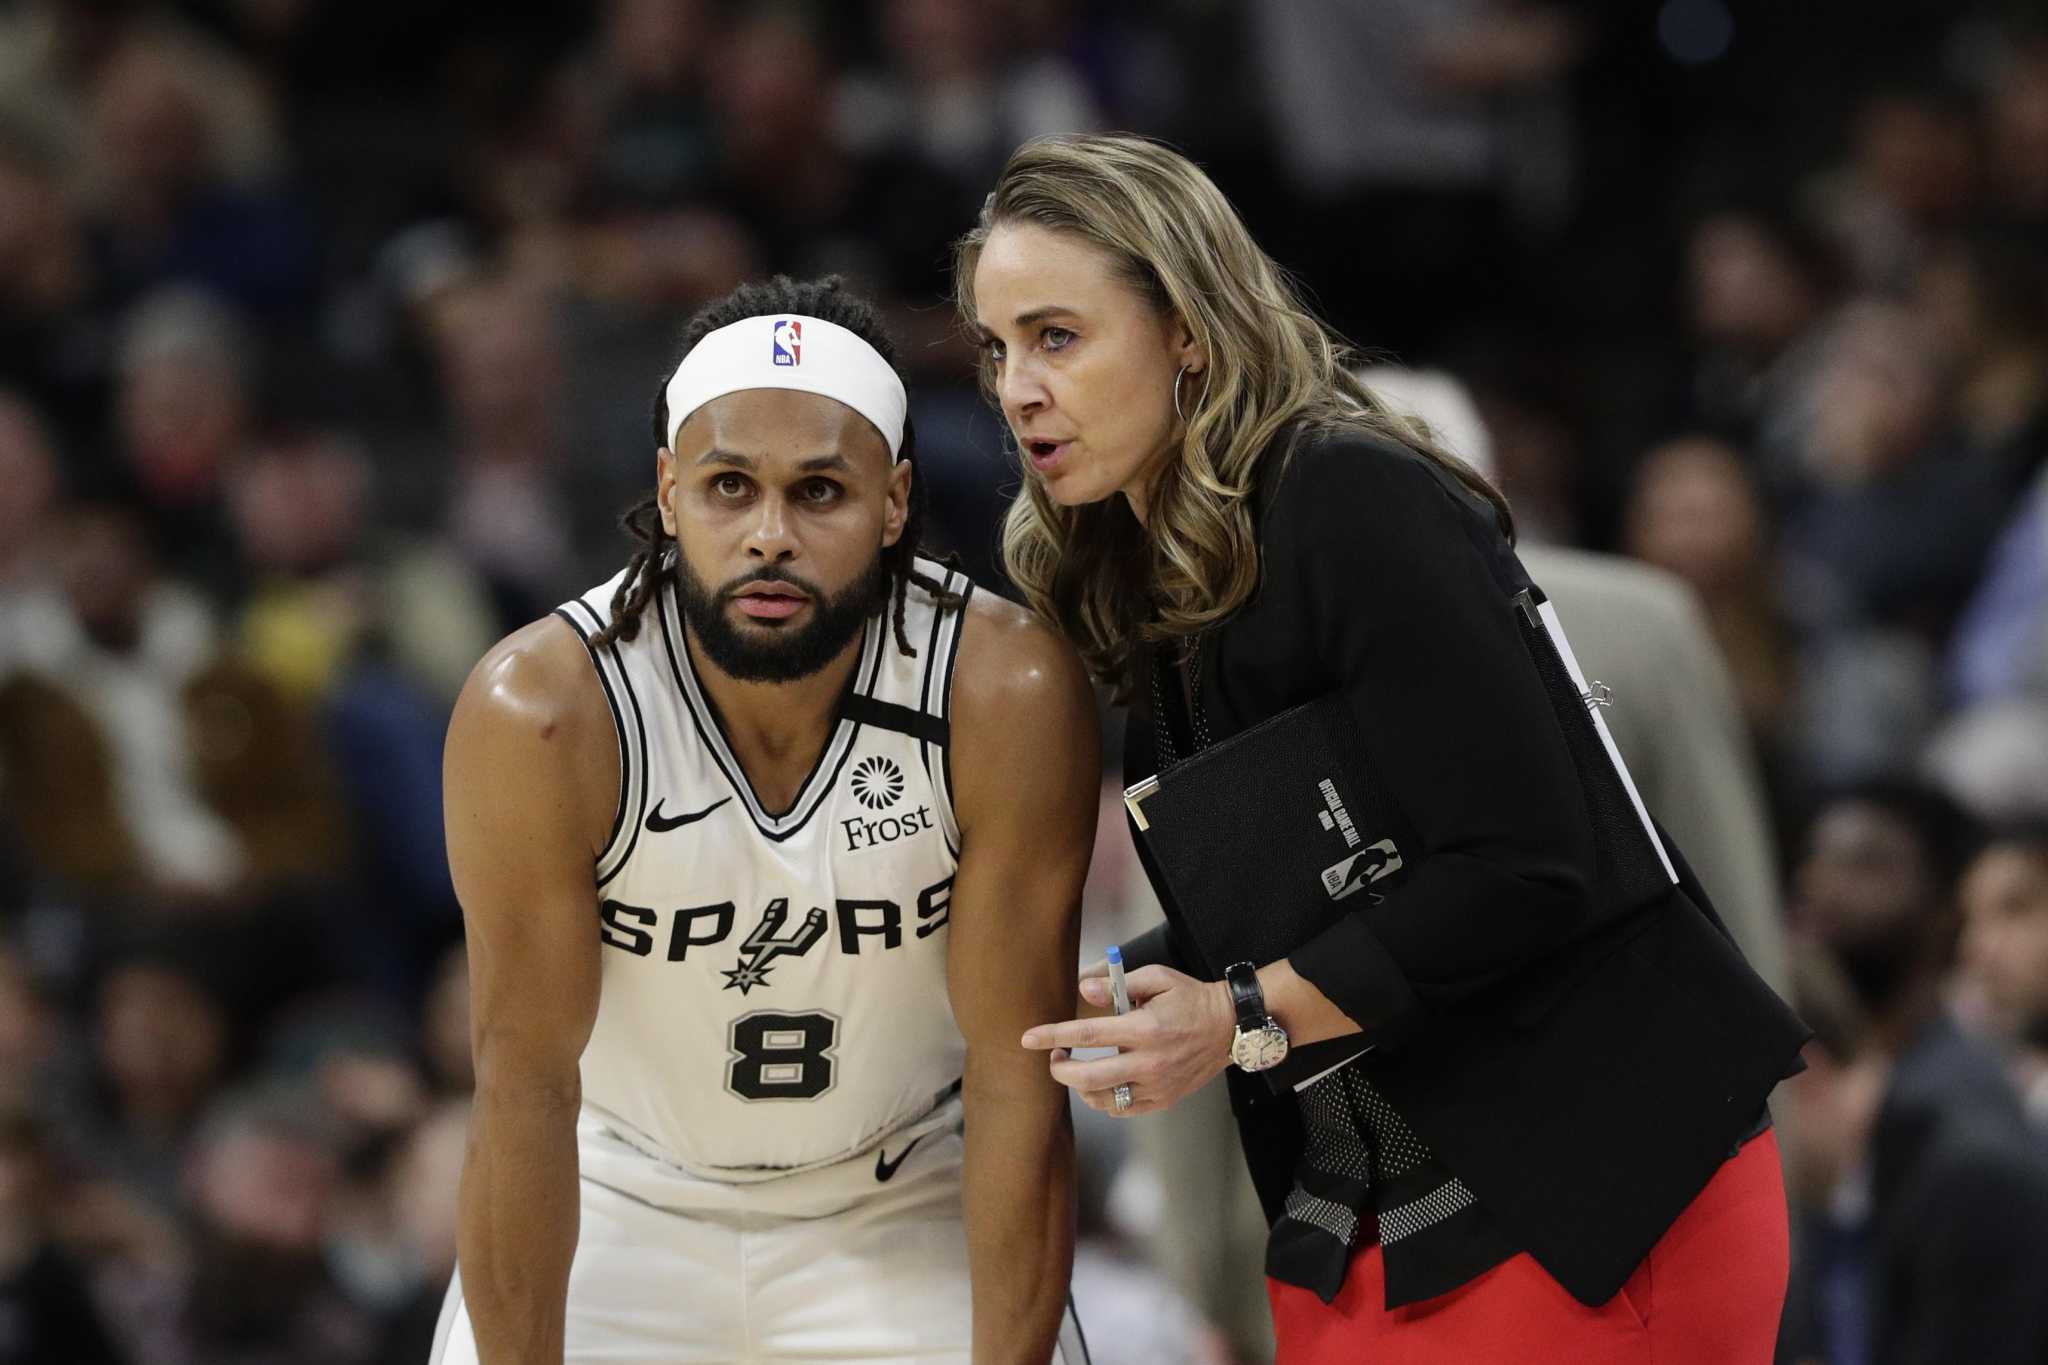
(1260, 1043)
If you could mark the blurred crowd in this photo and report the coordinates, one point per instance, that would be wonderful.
(328, 337)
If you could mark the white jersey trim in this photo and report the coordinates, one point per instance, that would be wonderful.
(612, 677)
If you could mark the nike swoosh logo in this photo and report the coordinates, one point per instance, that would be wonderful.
(884, 1168)
(662, 824)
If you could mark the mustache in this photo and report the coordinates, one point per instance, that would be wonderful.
(731, 588)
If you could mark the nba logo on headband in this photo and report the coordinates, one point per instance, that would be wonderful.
(849, 370)
(787, 341)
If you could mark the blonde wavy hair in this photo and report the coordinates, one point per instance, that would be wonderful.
(1113, 585)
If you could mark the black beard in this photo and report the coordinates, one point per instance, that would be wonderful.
(774, 654)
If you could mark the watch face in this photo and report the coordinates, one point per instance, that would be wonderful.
(1259, 1049)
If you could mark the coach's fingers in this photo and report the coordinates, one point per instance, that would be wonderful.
(1105, 1100)
(1147, 982)
(1099, 1073)
(1115, 1030)
(1096, 970)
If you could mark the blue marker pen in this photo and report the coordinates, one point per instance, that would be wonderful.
(1119, 993)
(1120, 996)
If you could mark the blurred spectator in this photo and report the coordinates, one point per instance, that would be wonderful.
(1994, 758)
(1757, 287)
(925, 130)
(1922, 1191)
(1911, 178)
(501, 361)
(49, 329)
(1891, 527)
(1883, 543)
(955, 97)
(2017, 152)
(783, 169)
(325, 587)
(1695, 511)
(363, 637)
(28, 492)
(161, 1047)
(2000, 645)
(185, 411)
(644, 85)
(96, 726)
(47, 1313)
(1427, 128)
(2005, 952)
(358, 1057)
(413, 1217)
(28, 1032)
(262, 1181)
(54, 53)
(163, 208)
(260, 767)
(1875, 887)
(1983, 303)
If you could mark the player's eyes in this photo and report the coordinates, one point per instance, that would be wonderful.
(729, 486)
(819, 491)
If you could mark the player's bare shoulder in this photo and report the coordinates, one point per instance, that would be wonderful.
(533, 712)
(1021, 699)
(1013, 668)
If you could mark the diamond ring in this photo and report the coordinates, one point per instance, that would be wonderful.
(1122, 1095)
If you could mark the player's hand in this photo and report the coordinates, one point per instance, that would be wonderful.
(1173, 1042)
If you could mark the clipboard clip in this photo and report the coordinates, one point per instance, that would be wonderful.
(1134, 801)
(1598, 694)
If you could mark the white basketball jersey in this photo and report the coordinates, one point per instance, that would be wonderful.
(774, 983)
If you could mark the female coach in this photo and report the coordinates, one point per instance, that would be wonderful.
(1558, 1147)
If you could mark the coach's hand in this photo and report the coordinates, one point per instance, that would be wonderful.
(1173, 1042)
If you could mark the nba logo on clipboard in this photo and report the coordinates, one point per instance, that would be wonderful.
(787, 341)
(1361, 869)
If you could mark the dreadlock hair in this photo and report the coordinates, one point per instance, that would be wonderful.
(830, 300)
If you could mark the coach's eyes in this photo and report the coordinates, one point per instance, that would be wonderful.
(1055, 338)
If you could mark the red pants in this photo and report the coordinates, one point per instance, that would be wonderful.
(1709, 1293)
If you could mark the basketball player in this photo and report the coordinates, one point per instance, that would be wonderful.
(770, 850)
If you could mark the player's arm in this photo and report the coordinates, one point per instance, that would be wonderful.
(530, 782)
(1026, 763)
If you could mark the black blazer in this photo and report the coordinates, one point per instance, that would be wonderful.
(1584, 1079)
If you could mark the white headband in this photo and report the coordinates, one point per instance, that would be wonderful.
(790, 351)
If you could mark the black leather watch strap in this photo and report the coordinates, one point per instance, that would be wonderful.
(1246, 995)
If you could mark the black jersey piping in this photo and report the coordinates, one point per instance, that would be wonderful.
(946, 700)
(926, 729)
(931, 664)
